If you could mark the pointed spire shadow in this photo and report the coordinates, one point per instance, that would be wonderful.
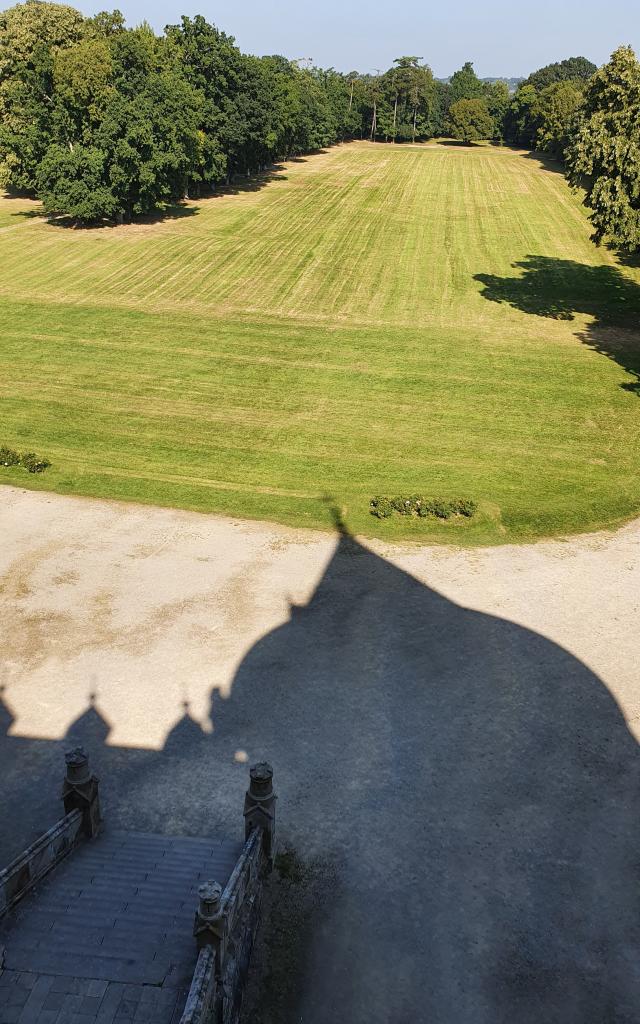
(473, 785)
(476, 786)
(90, 730)
(185, 733)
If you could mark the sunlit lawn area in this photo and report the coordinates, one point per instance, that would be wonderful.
(331, 335)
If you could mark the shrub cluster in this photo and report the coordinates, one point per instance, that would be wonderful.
(32, 462)
(418, 505)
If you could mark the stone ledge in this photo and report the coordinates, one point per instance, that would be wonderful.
(38, 859)
(202, 994)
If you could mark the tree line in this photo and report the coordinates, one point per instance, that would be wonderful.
(101, 121)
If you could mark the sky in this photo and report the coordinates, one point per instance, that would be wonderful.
(501, 38)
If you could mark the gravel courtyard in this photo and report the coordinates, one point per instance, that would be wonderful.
(454, 731)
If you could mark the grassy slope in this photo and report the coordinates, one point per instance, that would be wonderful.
(326, 335)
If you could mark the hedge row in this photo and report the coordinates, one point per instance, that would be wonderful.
(418, 505)
(30, 461)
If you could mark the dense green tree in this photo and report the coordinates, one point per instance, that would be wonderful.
(124, 128)
(442, 101)
(541, 114)
(520, 121)
(555, 113)
(261, 109)
(401, 102)
(30, 35)
(574, 68)
(497, 97)
(604, 156)
(74, 182)
(470, 121)
(465, 84)
(83, 86)
(105, 23)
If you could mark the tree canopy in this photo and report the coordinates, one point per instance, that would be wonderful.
(543, 111)
(604, 154)
(562, 71)
(555, 115)
(465, 84)
(106, 122)
(102, 121)
(470, 120)
(31, 34)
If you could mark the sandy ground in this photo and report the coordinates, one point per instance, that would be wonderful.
(455, 732)
(97, 596)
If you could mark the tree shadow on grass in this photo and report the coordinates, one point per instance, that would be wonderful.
(303, 158)
(29, 214)
(455, 143)
(241, 183)
(562, 289)
(544, 160)
(173, 211)
(177, 210)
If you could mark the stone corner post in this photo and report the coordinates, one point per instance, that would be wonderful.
(260, 808)
(80, 791)
(209, 927)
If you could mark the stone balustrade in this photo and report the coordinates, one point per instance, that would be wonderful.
(226, 921)
(81, 821)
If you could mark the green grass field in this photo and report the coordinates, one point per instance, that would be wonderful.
(375, 319)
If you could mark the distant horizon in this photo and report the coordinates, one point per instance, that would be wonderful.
(501, 41)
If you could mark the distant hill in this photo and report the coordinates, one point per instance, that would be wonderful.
(513, 83)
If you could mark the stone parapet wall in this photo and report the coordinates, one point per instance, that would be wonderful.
(81, 820)
(201, 1000)
(23, 873)
(226, 921)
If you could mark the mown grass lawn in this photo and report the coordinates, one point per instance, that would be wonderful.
(372, 320)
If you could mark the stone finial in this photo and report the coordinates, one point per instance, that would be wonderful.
(209, 924)
(77, 763)
(210, 894)
(260, 807)
(80, 790)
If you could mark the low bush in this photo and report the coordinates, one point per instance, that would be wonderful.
(381, 507)
(464, 507)
(34, 463)
(419, 505)
(29, 460)
(8, 457)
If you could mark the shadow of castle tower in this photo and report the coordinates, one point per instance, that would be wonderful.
(474, 785)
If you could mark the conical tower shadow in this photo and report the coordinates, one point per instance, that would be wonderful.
(476, 787)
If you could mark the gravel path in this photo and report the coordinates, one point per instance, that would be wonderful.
(453, 732)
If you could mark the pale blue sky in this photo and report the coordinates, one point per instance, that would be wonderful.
(502, 38)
